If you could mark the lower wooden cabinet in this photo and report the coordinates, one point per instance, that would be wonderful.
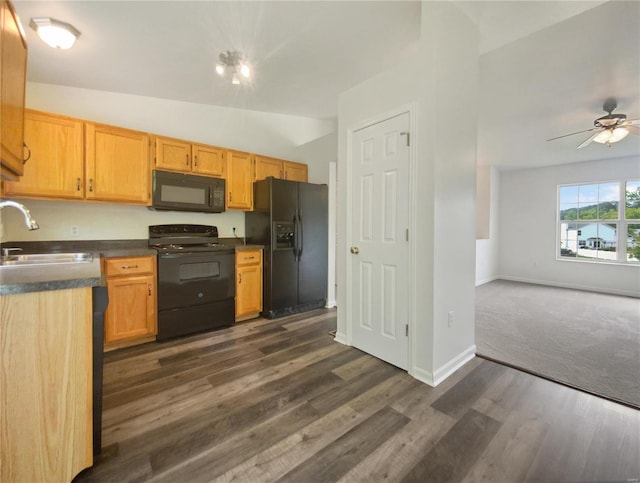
(45, 385)
(131, 315)
(248, 283)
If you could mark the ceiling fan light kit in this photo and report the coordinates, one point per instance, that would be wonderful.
(234, 62)
(610, 128)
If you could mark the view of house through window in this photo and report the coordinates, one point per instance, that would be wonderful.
(600, 221)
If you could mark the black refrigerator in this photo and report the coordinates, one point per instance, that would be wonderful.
(290, 219)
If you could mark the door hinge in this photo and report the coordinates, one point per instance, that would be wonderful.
(407, 234)
(405, 133)
(406, 330)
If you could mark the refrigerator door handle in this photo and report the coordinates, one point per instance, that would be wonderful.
(295, 234)
(299, 235)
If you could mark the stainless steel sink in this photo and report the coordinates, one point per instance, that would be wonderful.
(45, 259)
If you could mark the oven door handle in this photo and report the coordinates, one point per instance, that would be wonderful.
(188, 254)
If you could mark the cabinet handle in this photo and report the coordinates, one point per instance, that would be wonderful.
(90, 184)
(24, 146)
(239, 278)
(127, 267)
(187, 160)
(250, 258)
(195, 161)
(230, 196)
(149, 287)
(77, 184)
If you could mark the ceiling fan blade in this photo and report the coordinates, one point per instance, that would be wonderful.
(633, 129)
(632, 122)
(588, 141)
(578, 132)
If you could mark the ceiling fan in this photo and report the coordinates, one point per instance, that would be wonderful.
(608, 129)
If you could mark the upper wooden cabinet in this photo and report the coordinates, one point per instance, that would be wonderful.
(239, 180)
(295, 171)
(76, 160)
(56, 167)
(13, 71)
(278, 168)
(176, 155)
(266, 167)
(117, 164)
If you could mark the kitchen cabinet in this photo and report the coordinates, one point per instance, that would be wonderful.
(248, 283)
(182, 156)
(56, 166)
(117, 165)
(295, 171)
(46, 385)
(12, 88)
(131, 316)
(239, 180)
(76, 160)
(278, 168)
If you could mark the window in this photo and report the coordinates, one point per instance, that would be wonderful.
(600, 221)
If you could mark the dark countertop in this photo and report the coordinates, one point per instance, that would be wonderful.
(56, 277)
(100, 248)
(29, 278)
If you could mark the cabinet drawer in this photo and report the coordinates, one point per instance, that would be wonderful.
(114, 267)
(248, 257)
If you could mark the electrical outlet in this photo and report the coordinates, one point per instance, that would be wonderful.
(75, 230)
(450, 318)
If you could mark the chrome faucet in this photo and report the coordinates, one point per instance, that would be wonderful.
(31, 223)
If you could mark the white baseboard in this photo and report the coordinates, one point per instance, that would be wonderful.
(330, 304)
(486, 280)
(574, 286)
(340, 337)
(454, 364)
(440, 374)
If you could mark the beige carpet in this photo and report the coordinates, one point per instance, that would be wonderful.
(584, 339)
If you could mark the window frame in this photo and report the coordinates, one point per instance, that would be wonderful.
(621, 223)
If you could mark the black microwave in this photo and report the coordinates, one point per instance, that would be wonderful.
(187, 192)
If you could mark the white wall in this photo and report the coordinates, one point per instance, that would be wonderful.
(487, 249)
(528, 205)
(288, 137)
(440, 81)
(105, 221)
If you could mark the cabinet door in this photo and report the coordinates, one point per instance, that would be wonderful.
(117, 165)
(131, 312)
(266, 167)
(208, 160)
(248, 290)
(55, 169)
(173, 154)
(295, 171)
(239, 180)
(12, 88)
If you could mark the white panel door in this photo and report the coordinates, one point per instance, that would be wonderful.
(380, 253)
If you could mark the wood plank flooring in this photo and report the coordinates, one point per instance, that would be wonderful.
(281, 401)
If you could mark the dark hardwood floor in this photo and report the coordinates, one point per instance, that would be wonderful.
(281, 401)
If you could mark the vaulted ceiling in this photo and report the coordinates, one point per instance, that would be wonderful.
(544, 68)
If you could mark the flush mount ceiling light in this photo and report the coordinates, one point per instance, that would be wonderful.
(59, 35)
(235, 63)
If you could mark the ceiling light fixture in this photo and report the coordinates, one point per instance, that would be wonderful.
(59, 35)
(235, 62)
(611, 135)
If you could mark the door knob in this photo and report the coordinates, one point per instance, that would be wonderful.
(355, 250)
